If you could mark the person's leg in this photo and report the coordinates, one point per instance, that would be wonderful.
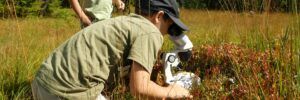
(39, 93)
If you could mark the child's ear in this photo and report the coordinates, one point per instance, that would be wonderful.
(158, 16)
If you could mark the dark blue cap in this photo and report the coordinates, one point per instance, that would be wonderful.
(170, 7)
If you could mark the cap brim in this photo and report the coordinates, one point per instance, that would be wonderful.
(178, 22)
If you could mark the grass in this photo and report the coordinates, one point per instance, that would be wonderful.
(24, 43)
(261, 51)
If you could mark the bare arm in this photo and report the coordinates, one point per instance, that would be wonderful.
(141, 86)
(80, 13)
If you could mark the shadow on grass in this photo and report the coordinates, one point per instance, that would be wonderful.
(14, 90)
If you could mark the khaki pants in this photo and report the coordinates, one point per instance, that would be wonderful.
(39, 93)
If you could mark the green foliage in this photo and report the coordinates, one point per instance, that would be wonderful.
(195, 4)
(244, 5)
(56, 8)
(62, 13)
(53, 5)
(24, 8)
(1, 7)
(19, 8)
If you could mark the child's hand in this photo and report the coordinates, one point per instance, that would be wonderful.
(119, 4)
(178, 92)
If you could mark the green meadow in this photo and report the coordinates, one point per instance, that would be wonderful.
(259, 51)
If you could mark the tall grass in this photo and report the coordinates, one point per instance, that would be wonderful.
(24, 43)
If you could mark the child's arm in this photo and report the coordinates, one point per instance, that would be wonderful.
(141, 86)
(80, 13)
(119, 4)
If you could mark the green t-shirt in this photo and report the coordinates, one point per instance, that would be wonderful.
(97, 9)
(79, 68)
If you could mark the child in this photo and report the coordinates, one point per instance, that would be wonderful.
(80, 68)
(91, 11)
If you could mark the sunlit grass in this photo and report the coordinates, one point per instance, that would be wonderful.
(24, 43)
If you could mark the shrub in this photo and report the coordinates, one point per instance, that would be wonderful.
(19, 8)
